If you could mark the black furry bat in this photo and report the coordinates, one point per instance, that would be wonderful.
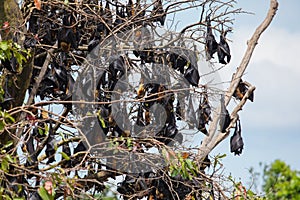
(177, 62)
(211, 45)
(158, 14)
(236, 141)
(204, 113)
(223, 50)
(50, 147)
(224, 116)
(192, 75)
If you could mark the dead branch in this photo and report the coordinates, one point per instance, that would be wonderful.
(214, 138)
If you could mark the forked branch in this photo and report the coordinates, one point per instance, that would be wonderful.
(214, 137)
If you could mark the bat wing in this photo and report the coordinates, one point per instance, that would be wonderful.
(192, 75)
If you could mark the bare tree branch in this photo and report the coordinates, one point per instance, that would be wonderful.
(210, 142)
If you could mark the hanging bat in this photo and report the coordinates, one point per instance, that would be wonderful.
(223, 50)
(192, 75)
(108, 18)
(50, 146)
(81, 147)
(241, 90)
(31, 162)
(120, 16)
(66, 149)
(130, 9)
(65, 36)
(211, 45)
(224, 116)
(236, 141)
(139, 8)
(204, 113)
(177, 62)
(140, 116)
(158, 14)
(116, 70)
(205, 163)
(190, 114)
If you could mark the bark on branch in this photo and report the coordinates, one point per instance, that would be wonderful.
(214, 137)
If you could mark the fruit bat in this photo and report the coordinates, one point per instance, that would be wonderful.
(190, 114)
(158, 14)
(66, 39)
(241, 90)
(223, 50)
(66, 149)
(139, 8)
(79, 148)
(204, 113)
(10, 64)
(147, 55)
(192, 75)
(32, 160)
(116, 70)
(65, 36)
(224, 116)
(211, 45)
(108, 15)
(167, 134)
(129, 9)
(140, 116)
(29, 42)
(141, 91)
(33, 22)
(177, 61)
(50, 146)
(7, 102)
(236, 141)
(120, 15)
(205, 163)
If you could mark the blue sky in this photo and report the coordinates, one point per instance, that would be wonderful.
(271, 124)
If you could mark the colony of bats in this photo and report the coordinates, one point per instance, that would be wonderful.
(75, 30)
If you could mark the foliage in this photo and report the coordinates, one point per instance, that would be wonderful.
(281, 182)
(10, 49)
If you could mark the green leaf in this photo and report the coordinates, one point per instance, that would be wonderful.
(4, 45)
(4, 165)
(222, 156)
(189, 164)
(8, 144)
(174, 172)
(9, 159)
(20, 58)
(9, 117)
(102, 121)
(65, 156)
(41, 131)
(44, 194)
(2, 125)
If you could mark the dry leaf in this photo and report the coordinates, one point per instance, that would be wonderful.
(38, 4)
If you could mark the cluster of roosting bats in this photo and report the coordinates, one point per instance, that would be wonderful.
(69, 30)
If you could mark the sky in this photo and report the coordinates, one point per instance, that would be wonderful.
(271, 124)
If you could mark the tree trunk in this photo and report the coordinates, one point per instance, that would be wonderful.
(17, 83)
